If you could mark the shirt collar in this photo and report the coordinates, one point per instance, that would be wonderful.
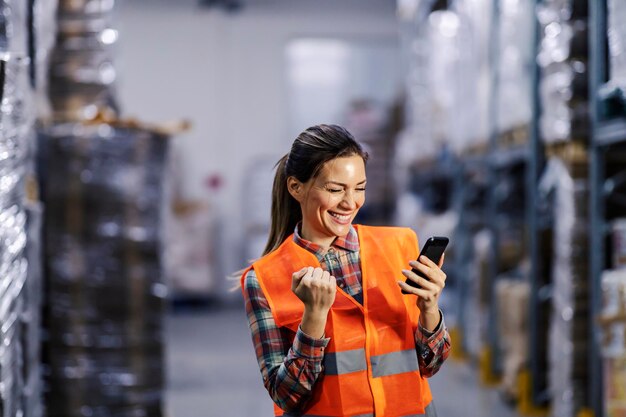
(349, 242)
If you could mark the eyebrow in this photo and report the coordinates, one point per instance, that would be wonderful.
(342, 184)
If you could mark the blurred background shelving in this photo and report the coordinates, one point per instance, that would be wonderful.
(137, 147)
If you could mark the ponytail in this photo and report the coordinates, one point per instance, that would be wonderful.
(286, 211)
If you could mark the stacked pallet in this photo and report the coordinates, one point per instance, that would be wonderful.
(105, 291)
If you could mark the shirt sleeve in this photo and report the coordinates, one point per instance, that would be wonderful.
(290, 363)
(432, 348)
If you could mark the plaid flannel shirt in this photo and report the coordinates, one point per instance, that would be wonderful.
(291, 363)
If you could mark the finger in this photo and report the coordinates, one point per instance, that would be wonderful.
(412, 290)
(426, 261)
(433, 273)
(299, 274)
(443, 256)
(333, 281)
(296, 277)
(317, 274)
(421, 281)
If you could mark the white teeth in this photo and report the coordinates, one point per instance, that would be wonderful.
(342, 218)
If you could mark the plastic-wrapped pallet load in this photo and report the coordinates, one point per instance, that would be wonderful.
(104, 194)
(617, 44)
(20, 392)
(563, 58)
(81, 68)
(474, 75)
(569, 323)
(515, 53)
(31, 315)
(446, 29)
(613, 321)
(43, 35)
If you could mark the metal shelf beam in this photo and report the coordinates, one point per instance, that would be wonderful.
(609, 132)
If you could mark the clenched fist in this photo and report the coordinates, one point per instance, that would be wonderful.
(316, 288)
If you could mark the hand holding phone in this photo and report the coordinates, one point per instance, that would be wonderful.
(433, 249)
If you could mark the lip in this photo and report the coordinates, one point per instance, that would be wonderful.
(344, 219)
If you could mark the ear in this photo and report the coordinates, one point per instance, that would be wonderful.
(295, 188)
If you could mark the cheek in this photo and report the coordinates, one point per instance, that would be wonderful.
(360, 199)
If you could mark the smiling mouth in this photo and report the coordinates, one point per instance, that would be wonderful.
(341, 217)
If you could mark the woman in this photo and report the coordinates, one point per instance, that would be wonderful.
(334, 335)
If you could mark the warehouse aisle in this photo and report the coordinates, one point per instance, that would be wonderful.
(212, 372)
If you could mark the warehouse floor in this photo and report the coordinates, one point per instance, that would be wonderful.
(212, 372)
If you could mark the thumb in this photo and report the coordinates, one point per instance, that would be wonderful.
(297, 276)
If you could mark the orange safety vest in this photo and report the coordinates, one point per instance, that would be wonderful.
(370, 363)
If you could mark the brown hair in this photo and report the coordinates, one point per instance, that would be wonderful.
(309, 152)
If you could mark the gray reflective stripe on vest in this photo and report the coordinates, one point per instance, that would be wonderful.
(344, 362)
(430, 412)
(348, 361)
(394, 363)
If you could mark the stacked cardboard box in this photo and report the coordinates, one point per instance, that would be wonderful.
(105, 294)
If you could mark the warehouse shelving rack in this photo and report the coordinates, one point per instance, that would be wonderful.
(470, 185)
(533, 389)
(608, 138)
(534, 396)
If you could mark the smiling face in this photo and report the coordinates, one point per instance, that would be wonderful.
(330, 201)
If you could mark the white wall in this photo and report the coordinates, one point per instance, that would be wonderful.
(226, 73)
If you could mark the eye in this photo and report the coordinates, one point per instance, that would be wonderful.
(334, 190)
(362, 189)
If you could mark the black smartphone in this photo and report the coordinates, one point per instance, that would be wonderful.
(433, 249)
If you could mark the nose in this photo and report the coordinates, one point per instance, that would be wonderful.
(348, 201)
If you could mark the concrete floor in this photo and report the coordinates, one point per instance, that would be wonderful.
(212, 372)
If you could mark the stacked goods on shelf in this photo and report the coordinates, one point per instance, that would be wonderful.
(31, 315)
(373, 127)
(472, 94)
(417, 121)
(568, 337)
(617, 46)
(512, 299)
(81, 68)
(43, 38)
(446, 29)
(514, 90)
(563, 59)
(20, 213)
(476, 327)
(613, 322)
(618, 243)
(103, 190)
(105, 293)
